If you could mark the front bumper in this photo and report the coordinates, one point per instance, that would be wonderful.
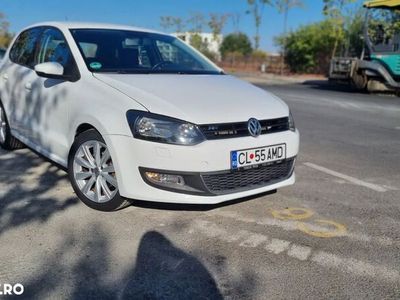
(132, 155)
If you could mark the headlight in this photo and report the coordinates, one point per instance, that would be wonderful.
(292, 126)
(162, 129)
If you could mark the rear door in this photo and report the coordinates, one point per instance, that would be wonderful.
(15, 76)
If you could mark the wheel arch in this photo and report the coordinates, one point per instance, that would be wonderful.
(88, 123)
(84, 127)
(379, 69)
(82, 124)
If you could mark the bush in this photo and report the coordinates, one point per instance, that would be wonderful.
(238, 43)
(309, 48)
(233, 57)
(259, 56)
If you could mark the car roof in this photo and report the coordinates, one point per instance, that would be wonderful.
(90, 25)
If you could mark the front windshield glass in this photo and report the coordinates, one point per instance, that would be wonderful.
(121, 51)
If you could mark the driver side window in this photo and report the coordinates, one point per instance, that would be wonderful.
(54, 48)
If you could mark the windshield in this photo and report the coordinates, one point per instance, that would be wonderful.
(383, 29)
(121, 51)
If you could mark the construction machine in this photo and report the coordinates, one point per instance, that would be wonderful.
(378, 68)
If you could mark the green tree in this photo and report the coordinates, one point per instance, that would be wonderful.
(236, 42)
(353, 43)
(336, 11)
(389, 23)
(256, 8)
(197, 42)
(308, 49)
(5, 35)
(283, 7)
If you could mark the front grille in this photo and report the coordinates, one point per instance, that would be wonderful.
(232, 130)
(236, 181)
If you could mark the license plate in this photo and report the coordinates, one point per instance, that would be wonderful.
(257, 156)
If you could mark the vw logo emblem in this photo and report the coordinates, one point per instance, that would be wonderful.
(254, 127)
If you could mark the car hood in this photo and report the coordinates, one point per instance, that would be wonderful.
(200, 99)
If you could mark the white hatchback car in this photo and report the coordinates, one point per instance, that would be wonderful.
(136, 114)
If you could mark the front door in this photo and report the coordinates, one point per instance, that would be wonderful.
(51, 96)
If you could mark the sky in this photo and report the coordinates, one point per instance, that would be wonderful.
(147, 13)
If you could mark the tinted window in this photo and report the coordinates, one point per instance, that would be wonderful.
(24, 48)
(123, 51)
(54, 48)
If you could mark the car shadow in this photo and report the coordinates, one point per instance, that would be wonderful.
(25, 196)
(83, 264)
(163, 271)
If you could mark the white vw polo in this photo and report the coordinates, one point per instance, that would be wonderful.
(137, 114)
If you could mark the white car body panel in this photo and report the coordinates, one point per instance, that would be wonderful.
(46, 113)
(199, 99)
(209, 156)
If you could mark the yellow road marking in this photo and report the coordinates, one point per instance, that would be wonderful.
(292, 213)
(339, 229)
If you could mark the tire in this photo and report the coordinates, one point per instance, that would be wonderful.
(360, 81)
(94, 180)
(7, 141)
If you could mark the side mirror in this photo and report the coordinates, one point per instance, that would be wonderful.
(52, 70)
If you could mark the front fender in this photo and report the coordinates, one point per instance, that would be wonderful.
(102, 107)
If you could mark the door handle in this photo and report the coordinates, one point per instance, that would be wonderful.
(5, 77)
(28, 86)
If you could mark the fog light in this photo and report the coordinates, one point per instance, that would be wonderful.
(165, 179)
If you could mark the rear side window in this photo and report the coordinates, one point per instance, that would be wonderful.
(23, 50)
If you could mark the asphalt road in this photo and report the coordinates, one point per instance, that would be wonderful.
(333, 235)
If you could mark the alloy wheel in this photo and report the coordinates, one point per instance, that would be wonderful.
(94, 172)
